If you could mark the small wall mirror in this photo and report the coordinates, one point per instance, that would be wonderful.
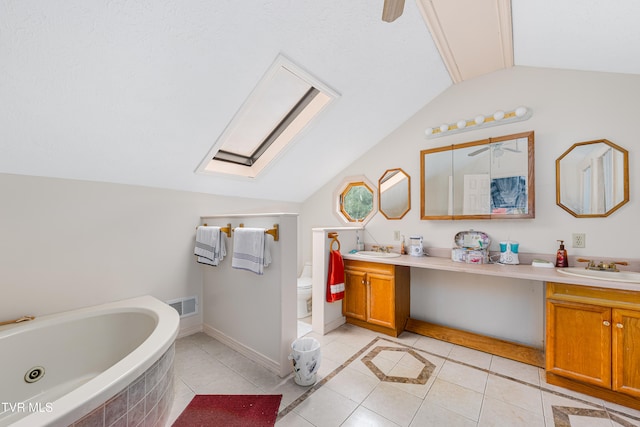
(394, 190)
(356, 200)
(486, 179)
(592, 179)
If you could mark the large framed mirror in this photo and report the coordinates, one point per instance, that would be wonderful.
(394, 194)
(592, 179)
(486, 179)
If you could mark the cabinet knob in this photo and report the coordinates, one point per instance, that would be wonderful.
(619, 325)
(606, 323)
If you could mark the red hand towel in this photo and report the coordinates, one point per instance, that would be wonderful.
(335, 279)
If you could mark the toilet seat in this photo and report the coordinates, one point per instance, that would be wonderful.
(304, 283)
(305, 292)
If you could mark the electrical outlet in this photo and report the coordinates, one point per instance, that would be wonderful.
(578, 240)
(396, 235)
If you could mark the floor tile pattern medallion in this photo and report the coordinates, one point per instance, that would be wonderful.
(376, 355)
(410, 381)
(425, 371)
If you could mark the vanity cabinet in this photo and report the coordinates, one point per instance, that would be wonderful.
(376, 296)
(593, 341)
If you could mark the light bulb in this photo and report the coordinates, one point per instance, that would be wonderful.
(498, 115)
(444, 128)
(479, 119)
(428, 131)
(521, 111)
(461, 124)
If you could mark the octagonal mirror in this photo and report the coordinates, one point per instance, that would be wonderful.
(592, 179)
(356, 200)
(394, 190)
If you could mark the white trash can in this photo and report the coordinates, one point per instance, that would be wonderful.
(305, 358)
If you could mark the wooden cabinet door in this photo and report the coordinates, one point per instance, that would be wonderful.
(382, 299)
(626, 351)
(579, 342)
(354, 304)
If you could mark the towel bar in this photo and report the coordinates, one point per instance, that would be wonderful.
(226, 229)
(275, 231)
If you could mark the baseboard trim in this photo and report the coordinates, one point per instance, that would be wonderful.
(328, 327)
(183, 332)
(248, 352)
(507, 349)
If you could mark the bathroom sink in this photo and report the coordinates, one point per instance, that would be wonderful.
(372, 254)
(612, 276)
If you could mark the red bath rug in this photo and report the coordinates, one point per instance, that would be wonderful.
(204, 410)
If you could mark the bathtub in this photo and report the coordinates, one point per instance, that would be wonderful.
(97, 366)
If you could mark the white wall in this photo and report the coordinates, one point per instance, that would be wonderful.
(255, 314)
(66, 244)
(326, 316)
(568, 107)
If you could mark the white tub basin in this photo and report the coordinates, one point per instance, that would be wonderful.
(372, 254)
(611, 276)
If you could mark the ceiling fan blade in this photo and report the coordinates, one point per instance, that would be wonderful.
(475, 153)
(392, 10)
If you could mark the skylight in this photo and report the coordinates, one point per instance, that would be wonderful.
(281, 106)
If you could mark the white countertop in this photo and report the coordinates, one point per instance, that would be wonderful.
(521, 271)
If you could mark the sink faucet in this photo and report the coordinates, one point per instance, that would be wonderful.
(602, 266)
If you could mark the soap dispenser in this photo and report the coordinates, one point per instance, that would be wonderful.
(561, 256)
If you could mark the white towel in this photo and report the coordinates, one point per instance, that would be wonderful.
(251, 249)
(210, 245)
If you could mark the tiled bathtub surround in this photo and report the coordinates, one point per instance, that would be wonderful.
(145, 402)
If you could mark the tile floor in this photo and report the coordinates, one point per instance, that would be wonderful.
(368, 379)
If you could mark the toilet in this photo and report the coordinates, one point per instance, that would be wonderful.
(304, 292)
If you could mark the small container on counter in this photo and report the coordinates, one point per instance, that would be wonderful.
(471, 247)
(459, 255)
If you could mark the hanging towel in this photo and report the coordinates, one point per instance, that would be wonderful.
(210, 245)
(251, 249)
(335, 279)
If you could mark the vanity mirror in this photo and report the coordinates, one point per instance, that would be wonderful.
(356, 200)
(592, 179)
(394, 191)
(486, 179)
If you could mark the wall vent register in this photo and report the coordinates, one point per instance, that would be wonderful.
(187, 306)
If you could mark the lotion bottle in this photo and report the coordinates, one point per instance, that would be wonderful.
(561, 256)
(359, 244)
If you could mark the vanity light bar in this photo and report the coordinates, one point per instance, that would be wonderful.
(480, 121)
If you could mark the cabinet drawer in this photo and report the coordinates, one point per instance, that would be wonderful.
(592, 295)
(370, 267)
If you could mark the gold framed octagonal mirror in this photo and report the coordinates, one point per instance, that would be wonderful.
(592, 179)
(356, 200)
(394, 194)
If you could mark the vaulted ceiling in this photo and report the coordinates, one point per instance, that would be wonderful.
(137, 92)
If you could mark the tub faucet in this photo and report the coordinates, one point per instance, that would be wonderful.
(18, 320)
